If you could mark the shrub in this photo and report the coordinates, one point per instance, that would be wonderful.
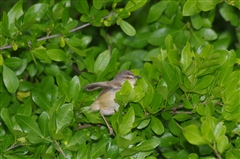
(186, 105)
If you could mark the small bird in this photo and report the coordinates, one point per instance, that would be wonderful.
(105, 102)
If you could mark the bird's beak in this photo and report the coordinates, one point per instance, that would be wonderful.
(138, 77)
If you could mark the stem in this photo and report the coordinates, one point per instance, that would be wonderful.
(12, 147)
(60, 149)
(215, 151)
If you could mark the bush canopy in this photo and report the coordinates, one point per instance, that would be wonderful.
(186, 105)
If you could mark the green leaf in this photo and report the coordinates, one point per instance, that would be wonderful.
(219, 131)
(10, 79)
(157, 126)
(41, 99)
(134, 5)
(79, 137)
(157, 37)
(43, 121)
(15, 12)
(222, 143)
(98, 4)
(169, 75)
(207, 131)
(74, 88)
(190, 8)
(82, 6)
(156, 11)
(203, 82)
(13, 15)
(4, 28)
(174, 127)
(193, 135)
(41, 54)
(127, 28)
(102, 61)
(148, 144)
(207, 34)
(186, 57)
(182, 117)
(98, 149)
(56, 55)
(36, 12)
(7, 120)
(197, 21)
(229, 14)
(143, 124)
(77, 50)
(13, 62)
(126, 124)
(167, 139)
(207, 5)
(64, 116)
(30, 127)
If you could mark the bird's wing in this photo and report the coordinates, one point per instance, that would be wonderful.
(97, 85)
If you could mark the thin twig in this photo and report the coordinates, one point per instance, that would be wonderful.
(60, 149)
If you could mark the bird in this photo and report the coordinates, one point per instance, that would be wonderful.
(105, 102)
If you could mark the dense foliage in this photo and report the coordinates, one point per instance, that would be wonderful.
(186, 105)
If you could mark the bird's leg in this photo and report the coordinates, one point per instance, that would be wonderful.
(109, 127)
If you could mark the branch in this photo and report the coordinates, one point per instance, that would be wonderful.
(56, 35)
(49, 37)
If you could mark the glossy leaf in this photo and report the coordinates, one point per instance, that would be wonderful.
(74, 88)
(43, 123)
(222, 144)
(197, 21)
(40, 99)
(13, 62)
(79, 137)
(228, 14)
(102, 61)
(134, 5)
(56, 54)
(10, 79)
(186, 57)
(168, 139)
(148, 145)
(126, 124)
(7, 120)
(193, 135)
(36, 12)
(204, 82)
(30, 127)
(156, 11)
(190, 8)
(157, 126)
(207, 5)
(127, 28)
(219, 130)
(143, 124)
(64, 116)
(98, 4)
(82, 6)
(99, 148)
